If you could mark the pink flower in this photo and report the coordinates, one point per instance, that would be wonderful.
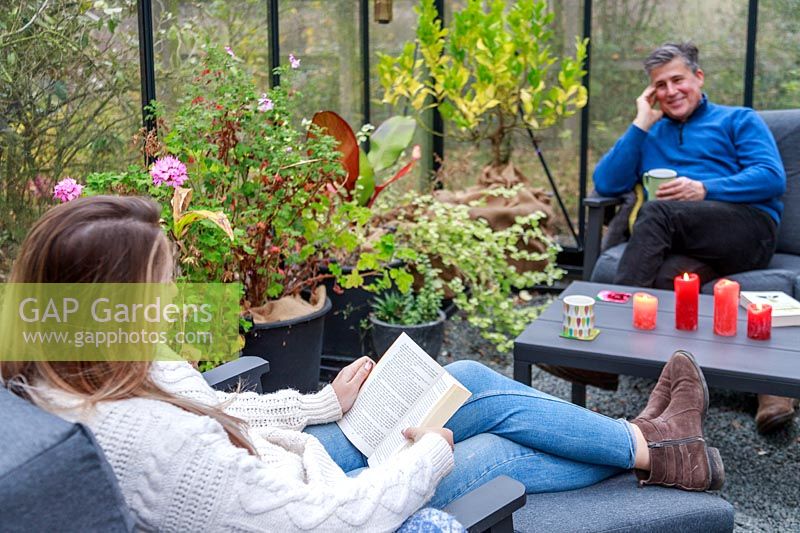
(265, 104)
(67, 190)
(294, 62)
(168, 170)
(230, 52)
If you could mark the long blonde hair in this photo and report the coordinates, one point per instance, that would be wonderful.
(101, 239)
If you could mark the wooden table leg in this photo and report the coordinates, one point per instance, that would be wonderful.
(579, 394)
(522, 372)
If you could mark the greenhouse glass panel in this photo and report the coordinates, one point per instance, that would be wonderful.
(183, 28)
(325, 36)
(777, 79)
(69, 101)
(389, 39)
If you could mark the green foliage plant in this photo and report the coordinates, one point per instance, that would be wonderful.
(477, 260)
(387, 145)
(265, 207)
(491, 72)
(413, 307)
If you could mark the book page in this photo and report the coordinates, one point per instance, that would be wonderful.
(394, 440)
(401, 377)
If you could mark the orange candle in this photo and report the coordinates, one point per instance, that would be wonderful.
(645, 308)
(759, 321)
(687, 291)
(726, 305)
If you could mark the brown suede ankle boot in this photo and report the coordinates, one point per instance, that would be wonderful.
(679, 456)
(660, 396)
(774, 412)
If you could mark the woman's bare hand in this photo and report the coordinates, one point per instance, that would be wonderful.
(416, 433)
(349, 380)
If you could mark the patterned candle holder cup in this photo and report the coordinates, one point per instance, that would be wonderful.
(578, 320)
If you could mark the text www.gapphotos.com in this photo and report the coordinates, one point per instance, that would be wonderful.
(79, 339)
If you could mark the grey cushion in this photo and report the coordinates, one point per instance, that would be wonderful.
(618, 504)
(53, 475)
(786, 262)
(769, 279)
(606, 266)
(785, 127)
(797, 288)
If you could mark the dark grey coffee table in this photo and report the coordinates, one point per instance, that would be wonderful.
(738, 363)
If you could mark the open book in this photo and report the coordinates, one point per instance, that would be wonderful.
(406, 388)
(785, 309)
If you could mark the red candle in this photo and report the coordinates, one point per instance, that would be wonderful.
(726, 305)
(645, 307)
(687, 290)
(759, 321)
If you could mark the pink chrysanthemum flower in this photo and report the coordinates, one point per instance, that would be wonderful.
(294, 62)
(67, 190)
(265, 104)
(168, 170)
(230, 51)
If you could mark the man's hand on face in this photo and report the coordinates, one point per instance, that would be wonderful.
(682, 188)
(646, 114)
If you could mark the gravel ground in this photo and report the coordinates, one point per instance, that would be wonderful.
(762, 472)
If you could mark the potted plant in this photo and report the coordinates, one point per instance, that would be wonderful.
(276, 184)
(467, 253)
(369, 172)
(416, 313)
(490, 73)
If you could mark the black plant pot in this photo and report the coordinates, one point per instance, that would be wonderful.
(293, 349)
(343, 331)
(429, 336)
(345, 340)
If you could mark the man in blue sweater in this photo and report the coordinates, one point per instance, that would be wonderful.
(724, 207)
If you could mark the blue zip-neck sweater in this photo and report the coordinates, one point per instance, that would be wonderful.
(729, 149)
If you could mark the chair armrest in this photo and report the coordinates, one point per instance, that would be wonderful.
(601, 201)
(597, 205)
(490, 506)
(248, 369)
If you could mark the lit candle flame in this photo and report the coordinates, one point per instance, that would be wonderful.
(685, 276)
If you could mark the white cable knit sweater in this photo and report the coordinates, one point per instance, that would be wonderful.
(179, 471)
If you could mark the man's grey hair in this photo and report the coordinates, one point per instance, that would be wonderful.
(669, 51)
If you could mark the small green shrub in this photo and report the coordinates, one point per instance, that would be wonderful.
(412, 307)
(475, 262)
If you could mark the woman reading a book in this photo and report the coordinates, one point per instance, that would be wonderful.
(189, 458)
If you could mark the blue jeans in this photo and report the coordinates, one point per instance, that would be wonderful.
(546, 443)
